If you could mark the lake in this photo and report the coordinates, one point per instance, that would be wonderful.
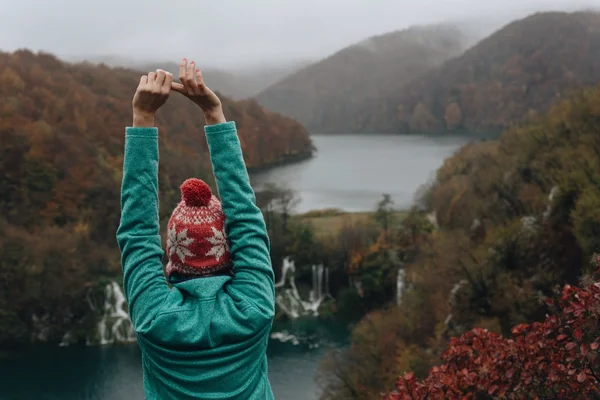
(352, 172)
(115, 373)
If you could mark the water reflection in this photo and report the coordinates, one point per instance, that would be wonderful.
(114, 372)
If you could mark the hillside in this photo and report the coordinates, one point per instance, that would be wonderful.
(515, 73)
(328, 96)
(61, 152)
(505, 222)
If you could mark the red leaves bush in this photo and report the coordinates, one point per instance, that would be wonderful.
(554, 359)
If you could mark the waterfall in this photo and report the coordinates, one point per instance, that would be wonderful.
(327, 282)
(317, 283)
(400, 285)
(449, 322)
(287, 266)
(288, 299)
(115, 325)
(320, 281)
(312, 295)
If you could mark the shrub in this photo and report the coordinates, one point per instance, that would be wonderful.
(554, 359)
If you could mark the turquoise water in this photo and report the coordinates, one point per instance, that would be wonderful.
(114, 372)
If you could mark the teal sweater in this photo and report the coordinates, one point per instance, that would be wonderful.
(202, 338)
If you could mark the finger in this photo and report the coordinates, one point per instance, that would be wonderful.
(166, 87)
(182, 69)
(190, 80)
(178, 87)
(199, 77)
(151, 77)
(143, 80)
(160, 78)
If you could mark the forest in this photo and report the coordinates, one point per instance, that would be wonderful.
(501, 287)
(62, 131)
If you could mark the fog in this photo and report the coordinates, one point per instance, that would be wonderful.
(236, 33)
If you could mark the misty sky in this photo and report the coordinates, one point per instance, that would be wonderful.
(230, 33)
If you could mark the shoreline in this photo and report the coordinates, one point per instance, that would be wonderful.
(286, 159)
(473, 135)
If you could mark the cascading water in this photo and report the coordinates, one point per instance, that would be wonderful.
(327, 283)
(288, 299)
(450, 323)
(115, 325)
(400, 285)
(317, 283)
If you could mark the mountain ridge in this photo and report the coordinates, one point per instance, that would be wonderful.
(326, 95)
(508, 77)
(483, 86)
(511, 76)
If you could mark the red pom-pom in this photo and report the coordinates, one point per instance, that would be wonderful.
(195, 193)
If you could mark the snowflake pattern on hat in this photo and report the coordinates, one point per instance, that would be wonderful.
(178, 244)
(219, 242)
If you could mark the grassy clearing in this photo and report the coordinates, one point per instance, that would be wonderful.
(330, 221)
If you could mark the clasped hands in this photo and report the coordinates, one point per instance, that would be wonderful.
(154, 90)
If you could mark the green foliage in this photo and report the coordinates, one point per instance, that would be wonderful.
(349, 305)
(586, 220)
(385, 212)
(303, 245)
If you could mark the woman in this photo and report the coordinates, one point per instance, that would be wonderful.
(206, 336)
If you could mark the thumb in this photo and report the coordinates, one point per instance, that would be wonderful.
(143, 81)
(178, 87)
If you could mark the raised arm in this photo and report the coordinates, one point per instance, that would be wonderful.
(253, 281)
(244, 223)
(138, 234)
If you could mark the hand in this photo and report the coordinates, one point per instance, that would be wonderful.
(152, 92)
(193, 87)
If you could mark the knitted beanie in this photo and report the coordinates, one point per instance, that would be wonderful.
(197, 244)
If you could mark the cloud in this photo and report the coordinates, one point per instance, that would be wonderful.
(231, 32)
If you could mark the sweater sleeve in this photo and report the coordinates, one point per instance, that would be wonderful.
(253, 280)
(138, 234)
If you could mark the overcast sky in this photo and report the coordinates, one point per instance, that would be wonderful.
(231, 33)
